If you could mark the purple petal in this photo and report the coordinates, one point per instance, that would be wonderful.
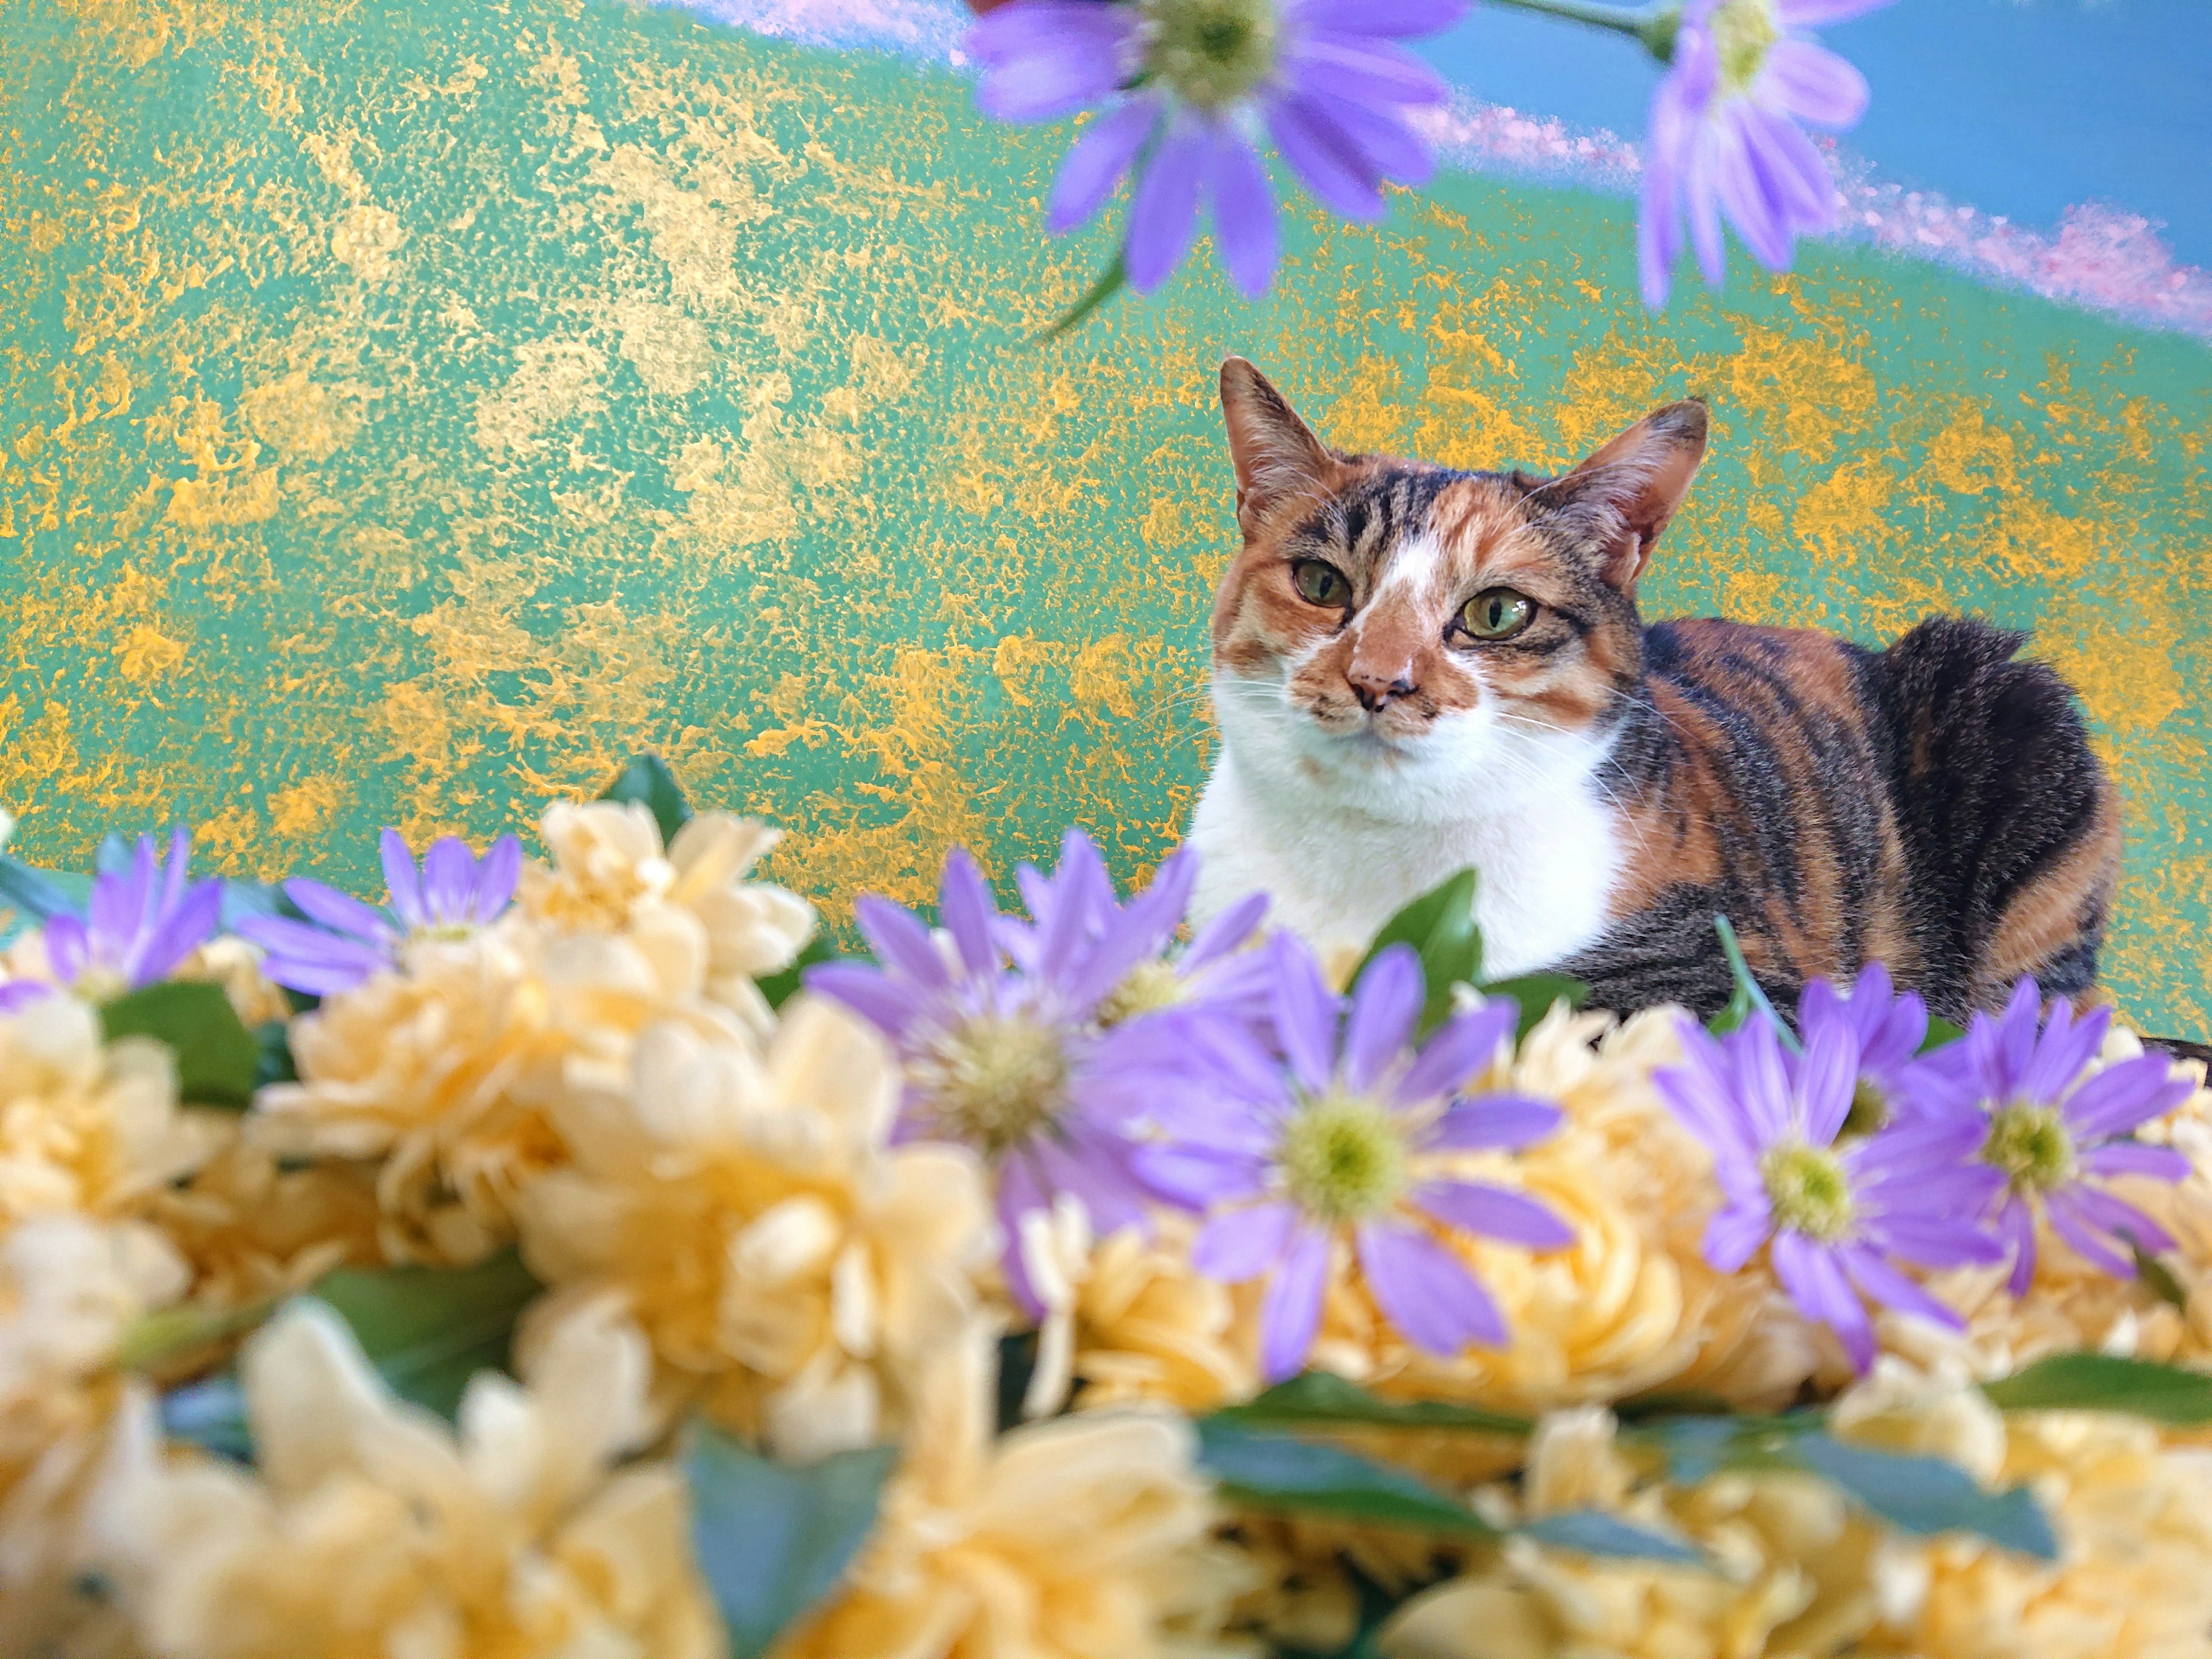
(1244, 213)
(1796, 179)
(1240, 1244)
(1476, 1206)
(1304, 1013)
(1323, 155)
(2107, 1213)
(68, 946)
(1816, 1284)
(20, 993)
(496, 873)
(1357, 65)
(1659, 213)
(1095, 1164)
(1081, 872)
(2016, 1232)
(969, 914)
(400, 883)
(1290, 1313)
(1384, 1005)
(1201, 1177)
(1492, 1122)
(341, 912)
(1885, 1285)
(1384, 17)
(2133, 1157)
(1049, 75)
(1390, 148)
(1035, 26)
(1164, 214)
(2065, 1048)
(2122, 1096)
(1020, 1193)
(1813, 84)
(1734, 1235)
(1826, 1077)
(1095, 163)
(2074, 1224)
(868, 991)
(180, 933)
(1227, 933)
(1818, 14)
(174, 870)
(449, 870)
(1425, 1290)
(1745, 192)
(901, 943)
(307, 959)
(1462, 1048)
(1940, 1241)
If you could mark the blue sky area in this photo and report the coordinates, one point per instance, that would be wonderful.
(2019, 108)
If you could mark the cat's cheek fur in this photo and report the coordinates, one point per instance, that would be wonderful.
(1343, 833)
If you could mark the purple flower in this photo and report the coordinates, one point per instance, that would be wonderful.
(1009, 1060)
(454, 893)
(1838, 1217)
(1724, 136)
(1186, 87)
(1348, 1134)
(139, 924)
(2052, 1137)
(1888, 1029)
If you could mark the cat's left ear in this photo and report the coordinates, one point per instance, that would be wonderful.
(1642, 474)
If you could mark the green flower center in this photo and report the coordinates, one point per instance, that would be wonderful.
(1343, 1157)
(994, 1082)
(2031, 1145)
(1743, 32)
(1808, 1189)
(1870, 1108)
(442, 932)
(100, 984)
(1211, 52)
(1150, 987)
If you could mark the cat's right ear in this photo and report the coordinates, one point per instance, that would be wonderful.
(1276, 457)
(1642, 476)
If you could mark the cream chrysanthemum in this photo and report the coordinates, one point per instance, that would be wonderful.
(370, 1527)
(86, 1125)
(1086, 1537)
(745, 1206)
(709, 926)
(69, 1290)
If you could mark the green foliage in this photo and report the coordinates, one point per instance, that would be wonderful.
(429, 1330)
(1278, 1473)
(1747, 999)
(771, 1538)
(272, 1042)
(1940, 1032)
(2158, 1278)
(780, 988)
(218, 1059)
(38, 896)
(1593, 1532)
(1321, 1397)
(2106, 1383)
(1536, 994)
(1440, 925)
(647, 780)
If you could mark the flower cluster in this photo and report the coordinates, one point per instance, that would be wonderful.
(565, 1252)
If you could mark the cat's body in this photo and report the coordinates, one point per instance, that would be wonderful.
(1417, 670)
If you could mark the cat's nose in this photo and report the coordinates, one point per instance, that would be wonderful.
(1375, 692)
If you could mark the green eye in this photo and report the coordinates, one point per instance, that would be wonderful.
(1319, 584)
(1497, 613)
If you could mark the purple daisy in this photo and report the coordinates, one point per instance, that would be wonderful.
(454, 893)
(2051, 1136)
(1724, 134)
(140, 923)
(1188, 85)
(1009, 1060)
(1838, 1217)
(1349, 1136)
(1889, 1028)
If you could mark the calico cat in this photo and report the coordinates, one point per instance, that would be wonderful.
(1417, 669)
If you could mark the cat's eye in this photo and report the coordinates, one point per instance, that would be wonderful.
(1497, 613)
(1320, 584)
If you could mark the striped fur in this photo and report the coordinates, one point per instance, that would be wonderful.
(1934, 805)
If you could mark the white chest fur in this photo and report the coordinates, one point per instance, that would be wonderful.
(1340, 837)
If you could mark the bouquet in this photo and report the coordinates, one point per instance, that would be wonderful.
(575, 1255)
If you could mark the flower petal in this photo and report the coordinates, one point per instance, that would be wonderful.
(1384, 1005)
(1813, 84)
(1383, 17)
(1304, 1013)
(2075, 1224)
(1828, 1074)
(1882, 1283)
(1324, 157)
(1459, 1050)
(2016, 1231)
(901, 943)
(1426, 1291)
(2123, 1094)
(1245, 233)
(2117, 1216)
(342, 912)
(868, 991)
(400, 883)
(1734, 1235)
(1227, 933)
(1095, 163)
(449, 872)
(1816, 1284)
(1083, 62)
(1164, 217)
(1476, 1206)
(1818, 14)
(1290, 1313)
(1240, 1245)
(1492, 1122)
(2135, 1158)
(969, 913)
(496, 873)
(1201, 1177)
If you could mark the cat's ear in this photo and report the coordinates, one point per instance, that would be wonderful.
(1276, 454)
(1642, 476)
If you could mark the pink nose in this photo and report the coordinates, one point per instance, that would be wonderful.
(1376, 692)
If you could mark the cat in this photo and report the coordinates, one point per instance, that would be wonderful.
(1417, 669)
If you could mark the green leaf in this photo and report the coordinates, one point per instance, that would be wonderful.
(647, 781)
(1537, 993)
(2158, 1278)
(156, 1337)
(1926, 1495)
(1111, 281)
(1323, 1397)
(1593, 1532)
(1285, 1475)
(1440, 925)
(216, 1056)
(772, 1539)
(40, 895)
(1747, 999)
(2104, 1382)
(1940, 1032)
(780, 988)
(429, 1330)
(272, 1041)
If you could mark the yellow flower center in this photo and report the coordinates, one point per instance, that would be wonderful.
(1343, 1157)
(994, 1082)
(101, 985)
(1150, 987)
(1743, 33)
(2031, 1145)
(441, 933)
(1870, 1108)
(1808, 1189)
(1211, 52)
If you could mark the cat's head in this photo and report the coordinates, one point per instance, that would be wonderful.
(1392, 618)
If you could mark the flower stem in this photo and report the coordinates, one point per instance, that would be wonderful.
(1110, 282)
(1655, 24)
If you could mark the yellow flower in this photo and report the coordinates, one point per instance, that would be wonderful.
(371, 1529)
(69, 1290)
(714, 929)
(1085, 1537)
(745, 1206)
(85, 1126)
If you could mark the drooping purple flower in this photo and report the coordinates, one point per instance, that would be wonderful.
(1837, 1218)
(140, 923)
(1725, 136)
(1888, 1029)
(2053, 1135)
(344, 941)
(1187, 87)
(1010, 1059)
(1347, 1137)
